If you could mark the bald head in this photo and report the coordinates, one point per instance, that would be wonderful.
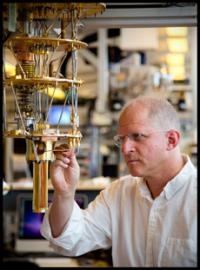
(160, 112)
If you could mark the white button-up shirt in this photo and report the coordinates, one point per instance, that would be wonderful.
(142, 231)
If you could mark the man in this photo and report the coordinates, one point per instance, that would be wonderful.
(148, 217)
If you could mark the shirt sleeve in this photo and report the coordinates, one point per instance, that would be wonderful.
(65, 240)
(86, 230)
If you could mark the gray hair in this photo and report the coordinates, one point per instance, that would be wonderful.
(160, 111)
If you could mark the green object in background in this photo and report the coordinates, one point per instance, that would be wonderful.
(12, 17)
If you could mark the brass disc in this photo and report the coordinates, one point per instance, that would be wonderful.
(44, 82)
(31, 43)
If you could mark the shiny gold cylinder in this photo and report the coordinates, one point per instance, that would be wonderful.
(40, 186)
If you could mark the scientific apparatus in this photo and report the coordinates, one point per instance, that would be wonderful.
(38, 36)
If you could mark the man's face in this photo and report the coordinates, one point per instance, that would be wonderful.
(144, 154)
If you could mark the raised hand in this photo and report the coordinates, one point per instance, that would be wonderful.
(64, 171)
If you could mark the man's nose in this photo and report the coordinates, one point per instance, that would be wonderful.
(127, 145)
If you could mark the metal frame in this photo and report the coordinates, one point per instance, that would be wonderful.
(133, 15)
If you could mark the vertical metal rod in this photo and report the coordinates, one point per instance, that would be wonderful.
(18, 107)
(61, 112)
(40, 186)
(4, 110)
(35, 151)
(51, 101)
(74, 113)
(103, 82)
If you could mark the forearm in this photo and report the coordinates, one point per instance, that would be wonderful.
(61, 210)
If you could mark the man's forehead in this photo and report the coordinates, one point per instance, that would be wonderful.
(134, 112)
(134, 118)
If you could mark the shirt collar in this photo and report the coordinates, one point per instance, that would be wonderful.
(143, 189)
(173, 185)
(180, 179)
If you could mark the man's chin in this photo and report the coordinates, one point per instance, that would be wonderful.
(135, 172)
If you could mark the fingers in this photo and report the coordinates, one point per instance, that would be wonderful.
(61, 148)
(60, 163)
(64, 156)
(62, 159)
(64, 150)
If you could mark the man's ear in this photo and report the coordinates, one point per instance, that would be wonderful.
(173, 137)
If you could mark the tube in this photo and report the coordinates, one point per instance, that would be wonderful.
(40, 186)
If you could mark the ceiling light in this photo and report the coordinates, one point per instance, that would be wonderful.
(177, 72)
(175, 59)
(179, 45)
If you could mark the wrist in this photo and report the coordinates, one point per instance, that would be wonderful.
(64, 195)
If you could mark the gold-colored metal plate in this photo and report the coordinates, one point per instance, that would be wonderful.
(31, 43)
(17, 133)
(48, 134)
(44, 82)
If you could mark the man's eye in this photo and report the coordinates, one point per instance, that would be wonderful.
(136, 136)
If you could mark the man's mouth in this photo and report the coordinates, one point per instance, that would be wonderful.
(132, 161)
